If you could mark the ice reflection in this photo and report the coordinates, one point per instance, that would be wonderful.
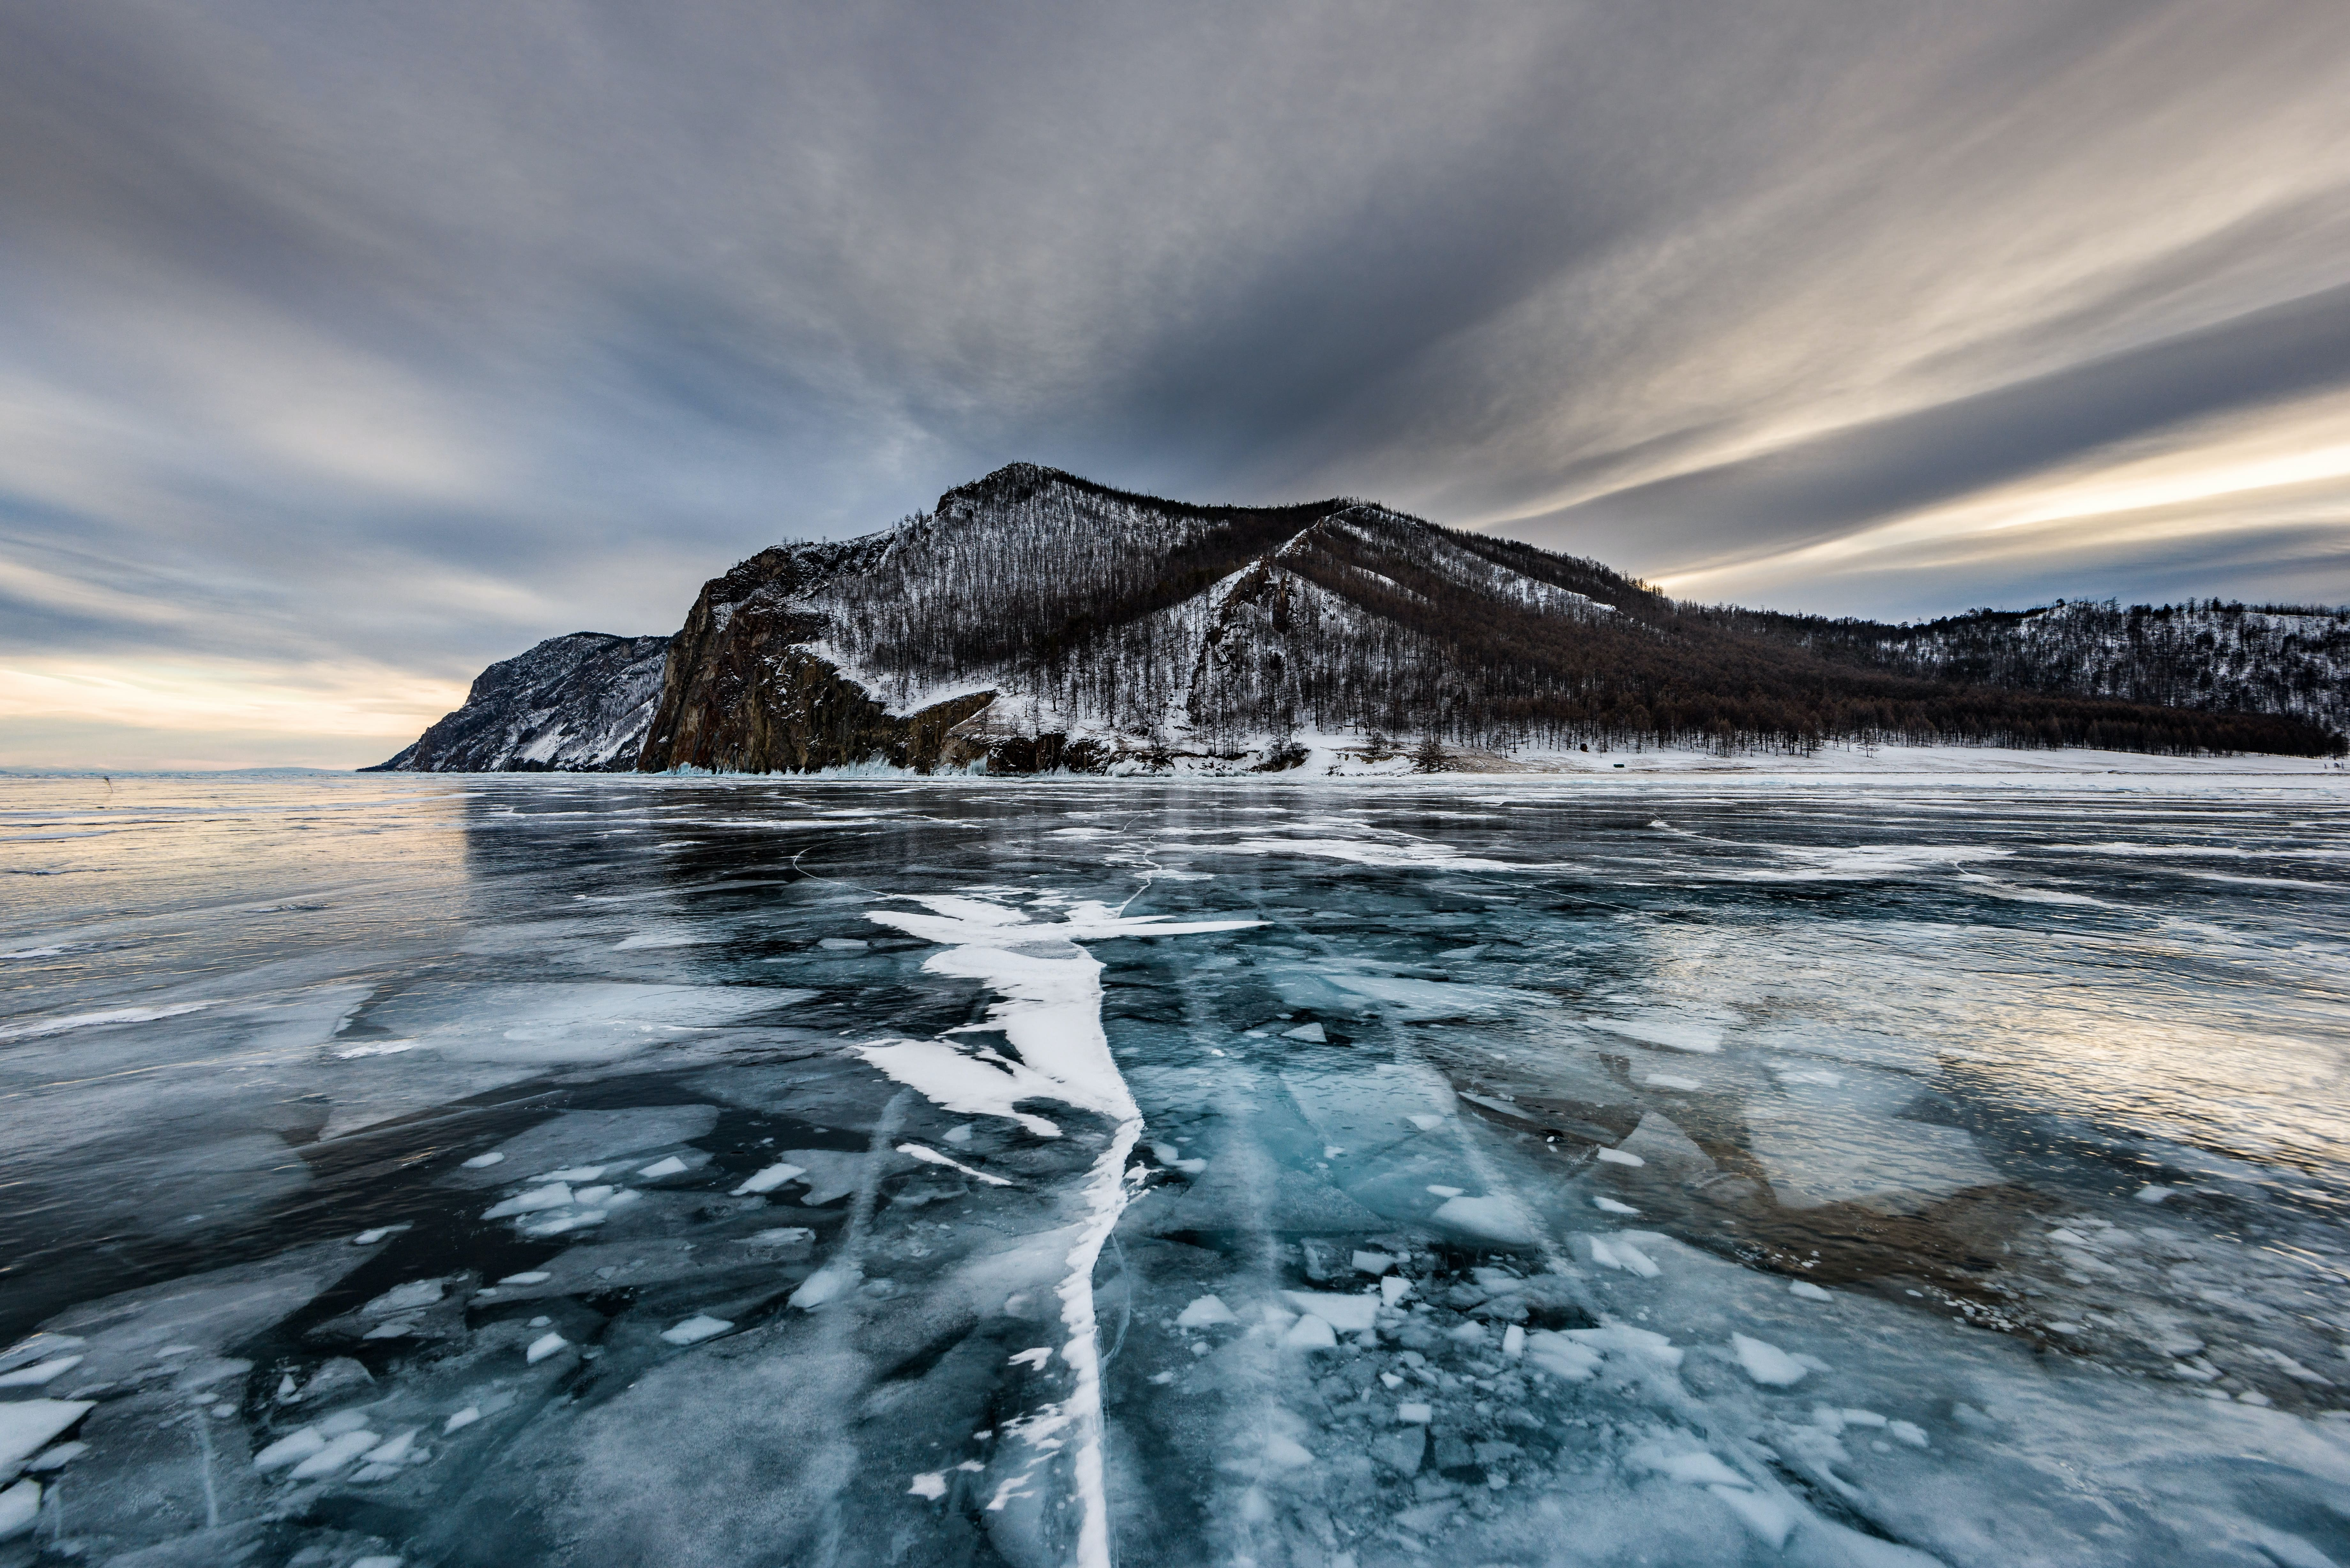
(719, 1171)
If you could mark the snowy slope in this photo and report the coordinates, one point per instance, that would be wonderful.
(572, 705)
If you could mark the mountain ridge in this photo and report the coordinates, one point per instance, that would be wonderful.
(1036, 619)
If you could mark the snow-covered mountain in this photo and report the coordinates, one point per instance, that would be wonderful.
(1039, 621)
(572, 705)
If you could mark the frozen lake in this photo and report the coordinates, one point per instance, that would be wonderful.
(622, 1171)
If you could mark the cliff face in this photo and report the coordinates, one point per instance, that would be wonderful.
(1037, 620)
(572, 705)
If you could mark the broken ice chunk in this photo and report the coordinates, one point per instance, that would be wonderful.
(38, 1347)
(1347, 1314)
(1445, 1191)
(1205, 1313)
(393, 1451)
(1287, 1452)
(528, 1277)
(1415, 1414)
(1766, 1364)
(1609, 1206)
(544, 1345)
(932, 1157)
(1393, 1289)
(289, 1449)
(1497, 1217)
(369, 1237)
(575, 1173)
(2154, 1194)
(846, 945)
(672, 1165)
(933, 1485)
(1906, 1432)
(1806, 1291)
(770, 1178)
(556, 1196)
(696, 1329)
(20, 1505)
(27, 1426)
(1670, 1081)
(483, 1161)
(464, 1418)
(337, 1453)
(1033, 1360)
(1310, 1334)
(34, 1377)
(405, 1298)
(55, 1459)
(959, 1134)
(1617, 1156)
(831, 1280)
(1614, 1253)
(1310, 1032)
(593, 1194)
(1373, 1262)
(1425, 1122)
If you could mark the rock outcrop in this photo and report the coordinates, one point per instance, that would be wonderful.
(572, 705)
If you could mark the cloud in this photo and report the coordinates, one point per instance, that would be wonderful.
(398, 337)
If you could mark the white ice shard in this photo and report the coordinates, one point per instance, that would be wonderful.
(1766, 1362)
(696, 1329)
(1346, 1313)
(1496, 1216)
(28, 1425)
(1205, 1311)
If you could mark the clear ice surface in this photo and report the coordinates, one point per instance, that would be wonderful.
(610, 1170)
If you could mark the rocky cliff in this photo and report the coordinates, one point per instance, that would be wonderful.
(572, 705)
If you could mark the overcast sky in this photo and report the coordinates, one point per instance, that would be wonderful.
(346, 347)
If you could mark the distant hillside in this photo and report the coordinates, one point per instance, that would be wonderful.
(1039, 621)
(2206, 655)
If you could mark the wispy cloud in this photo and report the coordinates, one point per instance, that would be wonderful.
(392, 339)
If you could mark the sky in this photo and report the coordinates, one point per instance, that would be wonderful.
(346, 348)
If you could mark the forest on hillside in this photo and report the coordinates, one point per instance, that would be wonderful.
(1086, 607)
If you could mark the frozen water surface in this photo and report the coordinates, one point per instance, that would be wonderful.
(613, 1171)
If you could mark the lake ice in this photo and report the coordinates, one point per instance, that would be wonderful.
(617, 1171)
